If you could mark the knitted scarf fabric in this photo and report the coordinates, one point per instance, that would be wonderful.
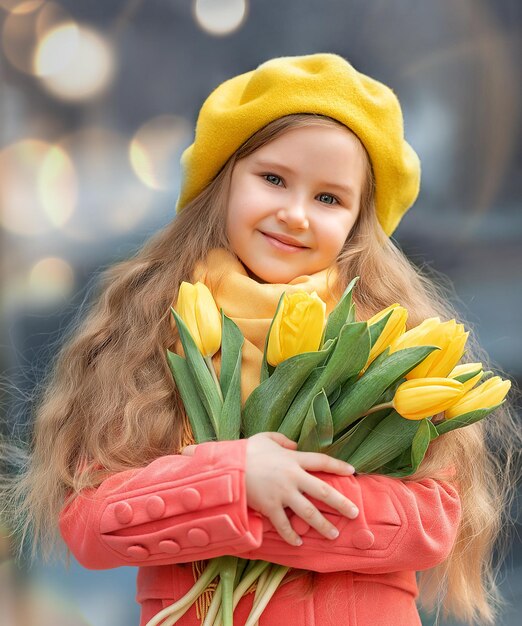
(252, 305)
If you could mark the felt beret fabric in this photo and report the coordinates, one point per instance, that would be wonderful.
(321, 83)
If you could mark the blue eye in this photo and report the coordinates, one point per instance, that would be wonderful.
(329, 196)
(268, 176)
(265, 176)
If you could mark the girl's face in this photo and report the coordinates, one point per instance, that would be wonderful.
(305, 187)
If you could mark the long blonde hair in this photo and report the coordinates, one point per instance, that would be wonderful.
(108, 401)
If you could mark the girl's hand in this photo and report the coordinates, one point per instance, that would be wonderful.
(276, 478)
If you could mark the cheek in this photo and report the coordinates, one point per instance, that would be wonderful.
(334, 230)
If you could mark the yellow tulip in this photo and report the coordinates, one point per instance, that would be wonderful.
(197, 308)
(297, 328)
(395, 327)
(490, 393)
(449, 336)
(424, 397)
(467, 368)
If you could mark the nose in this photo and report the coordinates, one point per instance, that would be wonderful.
(294, 214)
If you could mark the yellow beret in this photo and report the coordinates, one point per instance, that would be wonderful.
(322, 83)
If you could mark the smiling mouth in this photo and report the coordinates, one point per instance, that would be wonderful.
(281, 245)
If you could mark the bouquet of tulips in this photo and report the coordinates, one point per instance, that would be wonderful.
(369, 393)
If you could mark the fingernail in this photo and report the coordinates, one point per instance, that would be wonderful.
(298, 541)
(353, 511)
(350, 468)
(333, 533)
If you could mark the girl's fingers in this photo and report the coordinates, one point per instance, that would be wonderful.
(311, 515)
(281, 439)
(318, 462)
(320, 490)
(284, 528)
(189, 450)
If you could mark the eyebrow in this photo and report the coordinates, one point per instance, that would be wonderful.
(344, 188)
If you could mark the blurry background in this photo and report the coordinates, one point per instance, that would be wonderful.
(98, 98)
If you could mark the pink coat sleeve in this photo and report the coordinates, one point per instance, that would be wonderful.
(402, 525)
(176, 509)
(180, 508)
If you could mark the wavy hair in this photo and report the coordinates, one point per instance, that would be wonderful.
(108, 402)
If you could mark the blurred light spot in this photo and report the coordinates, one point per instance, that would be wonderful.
(220, 18)
(56, 50)
(57, 186)
(90, 66)
(51, 280)
(155, 150)
(110, 198)
(37, 187)
(22, 31)
(20, 6)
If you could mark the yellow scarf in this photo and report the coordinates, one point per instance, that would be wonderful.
(252, 305)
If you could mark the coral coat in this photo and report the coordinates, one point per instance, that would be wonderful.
(181, 508)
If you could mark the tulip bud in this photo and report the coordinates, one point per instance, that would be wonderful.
(423, 397)
(197, 308)
(467, 368)
(449, 336)
(395, 327)
(490, 393)
(297, 328)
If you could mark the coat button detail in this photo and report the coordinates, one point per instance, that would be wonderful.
(138, 552)
(123, 512)
(191, 499)
(198, 537)
(363, 539)
(170, 546)
(299, 525)
(155, 507)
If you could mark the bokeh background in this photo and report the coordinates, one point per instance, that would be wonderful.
(98, 98)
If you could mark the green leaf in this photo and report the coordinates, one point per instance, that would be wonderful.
(308, 439)
(231, 344)
(389, 438)
(196, 413)
(207, 391)
(345, 445)
(230, 380)
(317, 430)
(230, 419)
(293, 421)
(349, 356)
(465, 377)
(343, 313)
(408, 462)
(389, 394)
(465, 419)
(268, 403)
(323, 418)
(364, 393)
(266, 369)
(423, 437)
(347, 359)
(335, 394)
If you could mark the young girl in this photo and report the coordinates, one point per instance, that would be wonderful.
(297, 177)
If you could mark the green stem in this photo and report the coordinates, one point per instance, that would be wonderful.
(227, 570)
(214, 606)
(210, 365)
(379, 407)
(184, 603)
(261, 582)
(248, 579)
(275, 577)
